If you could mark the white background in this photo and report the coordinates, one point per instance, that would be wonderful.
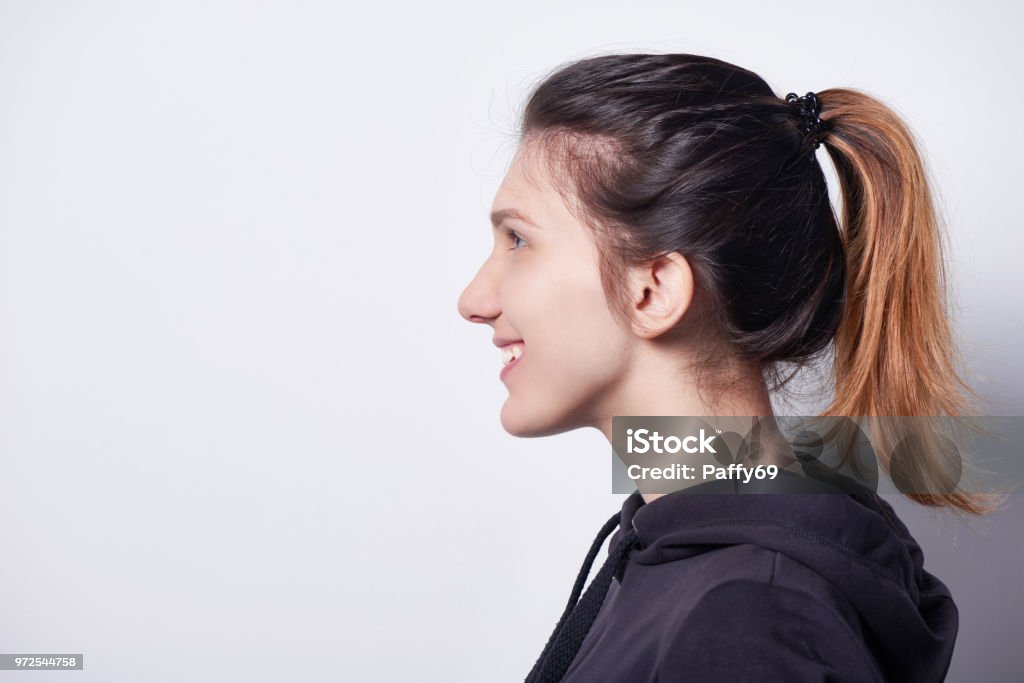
(244, 434)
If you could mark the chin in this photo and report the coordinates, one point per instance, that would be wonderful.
(532, 423)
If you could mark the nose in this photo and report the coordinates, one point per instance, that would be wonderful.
(478, 302)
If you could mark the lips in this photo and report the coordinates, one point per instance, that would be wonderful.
(502, 342)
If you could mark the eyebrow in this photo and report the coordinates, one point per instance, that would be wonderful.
(501, 215)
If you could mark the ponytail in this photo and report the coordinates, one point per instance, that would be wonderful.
(895, 351)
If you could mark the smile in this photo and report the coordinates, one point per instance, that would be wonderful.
(510, 356)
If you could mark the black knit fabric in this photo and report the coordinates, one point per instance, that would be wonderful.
(579, 613)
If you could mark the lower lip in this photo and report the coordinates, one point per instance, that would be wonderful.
(505, 370)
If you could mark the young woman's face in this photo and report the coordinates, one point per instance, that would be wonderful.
(540, 288)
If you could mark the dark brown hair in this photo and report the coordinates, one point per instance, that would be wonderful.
(690, 154)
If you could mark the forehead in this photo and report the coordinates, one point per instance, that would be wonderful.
(527, 187)
(526, 177)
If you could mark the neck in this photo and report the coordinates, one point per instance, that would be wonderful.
(654, 393)
(656, 396)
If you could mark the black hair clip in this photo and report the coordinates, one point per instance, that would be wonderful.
(812, 124)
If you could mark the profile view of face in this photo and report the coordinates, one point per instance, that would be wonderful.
(540, 290)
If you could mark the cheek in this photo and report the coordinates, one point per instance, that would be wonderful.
(579, 352)
(572, 340)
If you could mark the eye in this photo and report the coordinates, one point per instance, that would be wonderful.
(515, 239)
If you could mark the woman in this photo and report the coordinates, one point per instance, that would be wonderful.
(665, 246)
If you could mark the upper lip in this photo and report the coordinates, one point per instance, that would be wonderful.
(504, 341)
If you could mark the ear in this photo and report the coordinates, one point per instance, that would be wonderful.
(662, 291)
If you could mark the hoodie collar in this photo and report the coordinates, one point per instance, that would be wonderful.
(799, 511)
(852, 538)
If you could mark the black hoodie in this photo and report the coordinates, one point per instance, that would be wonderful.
(805, 586)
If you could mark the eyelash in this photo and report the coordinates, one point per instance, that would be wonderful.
(515, 236)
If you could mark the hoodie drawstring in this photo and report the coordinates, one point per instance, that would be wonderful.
(579, 614)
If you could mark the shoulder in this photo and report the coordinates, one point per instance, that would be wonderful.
(763, 631)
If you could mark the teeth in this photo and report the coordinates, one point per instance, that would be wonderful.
(510, 353)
